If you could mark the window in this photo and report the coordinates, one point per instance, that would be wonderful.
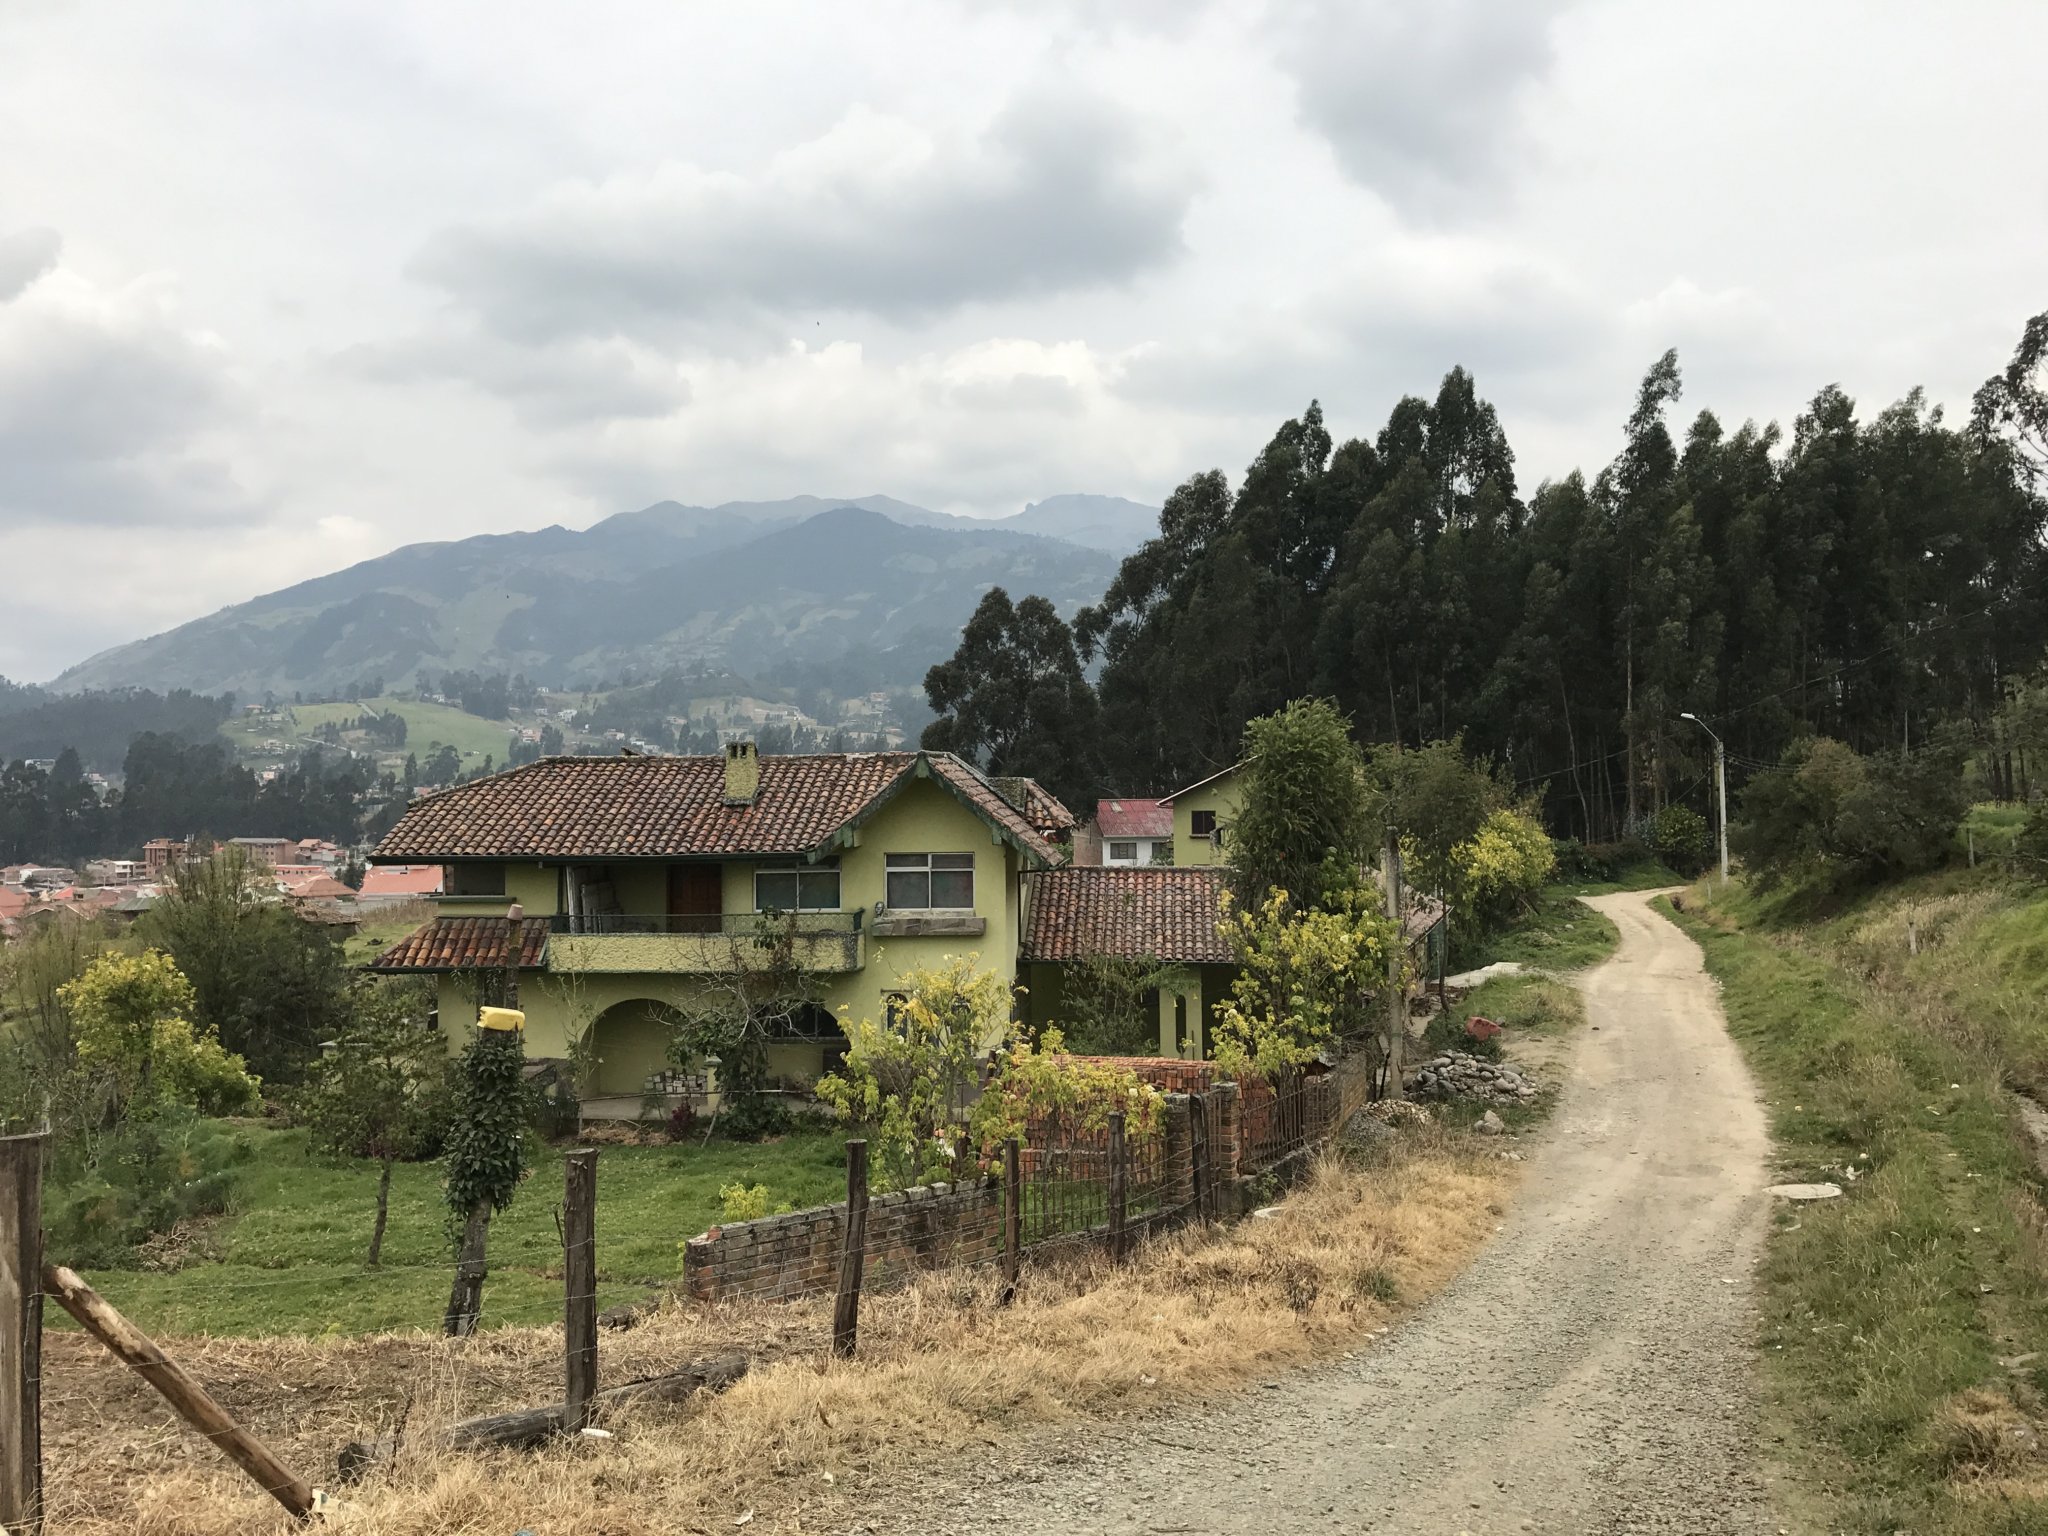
(931, 882)
(475, 880)
(1202, 823)
(796, 890)
(1124, 853)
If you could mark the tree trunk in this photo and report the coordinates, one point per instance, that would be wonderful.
(383, 1214)
(466, 1299)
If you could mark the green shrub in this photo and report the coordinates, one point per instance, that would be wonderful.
(1681, 838)
(144, 1177)
(1828, 818)
(743, 1202)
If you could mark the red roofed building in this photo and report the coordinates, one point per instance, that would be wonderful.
(386, 885)
(1131, 833)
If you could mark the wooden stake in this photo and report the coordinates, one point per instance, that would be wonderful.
(579, 1286)
(1013, 1218)
(193, 1403)
(1116, 1185)
(1198, 1153)
(21, 1333)
(853, 1257)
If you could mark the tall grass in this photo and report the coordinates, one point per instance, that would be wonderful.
(1902, 1320)
(802, 1439)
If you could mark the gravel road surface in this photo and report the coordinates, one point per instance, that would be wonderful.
(1591, 1372)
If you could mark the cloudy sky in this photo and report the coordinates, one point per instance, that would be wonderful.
(283, 286)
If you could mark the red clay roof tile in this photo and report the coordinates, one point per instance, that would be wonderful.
(464, 944)
(1144, 913)
(673, 807)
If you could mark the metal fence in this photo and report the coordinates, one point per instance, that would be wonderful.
(1279, 1120)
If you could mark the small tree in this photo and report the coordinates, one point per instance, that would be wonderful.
(1500, 870)
(1103, 1004)
(132, 1016)
(384, 1090)
(907, 1080)
(1438, 801)
(1307, 980)
(1304, 798)
(763, 991)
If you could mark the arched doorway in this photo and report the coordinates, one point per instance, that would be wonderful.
(630, 1041)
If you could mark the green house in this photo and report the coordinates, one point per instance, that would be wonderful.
(644, 880)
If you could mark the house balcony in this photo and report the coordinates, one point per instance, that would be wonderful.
(687, 943)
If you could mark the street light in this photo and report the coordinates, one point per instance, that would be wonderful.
(1720, 783)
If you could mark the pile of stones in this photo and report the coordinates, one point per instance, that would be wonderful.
(1458, 1075)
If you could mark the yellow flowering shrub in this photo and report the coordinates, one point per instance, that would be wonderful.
(1034, 1084)
(1305, 981)
(907, 1081)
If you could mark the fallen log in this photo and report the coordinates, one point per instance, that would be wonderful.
(536, 1426)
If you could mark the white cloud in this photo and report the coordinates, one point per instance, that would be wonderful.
(877, 216)
(25, 256)
(334, 278)
(1420, 102)
(109, 409)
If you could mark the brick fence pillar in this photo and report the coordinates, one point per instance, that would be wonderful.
(1226, 1147)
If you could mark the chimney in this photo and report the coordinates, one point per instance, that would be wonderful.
(742, 771)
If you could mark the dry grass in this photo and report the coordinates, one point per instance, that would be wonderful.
(941, 1370)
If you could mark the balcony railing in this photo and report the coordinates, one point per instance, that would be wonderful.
(684, 941)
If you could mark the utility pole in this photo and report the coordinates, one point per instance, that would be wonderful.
(1720, 785)
(1397, 992)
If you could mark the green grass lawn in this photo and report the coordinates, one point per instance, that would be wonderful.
(1989, 830)
(1906, 1322)
(1646, 876)
(383, 928)
(1560, 933)
(427, 726)
(290, 1250)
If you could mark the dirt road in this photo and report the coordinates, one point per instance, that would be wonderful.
(1589, 1373)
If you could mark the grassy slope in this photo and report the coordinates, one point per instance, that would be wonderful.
(427, 726)
(290, 1252)
(1887, 1314)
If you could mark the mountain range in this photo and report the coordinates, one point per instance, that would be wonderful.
(760, 587)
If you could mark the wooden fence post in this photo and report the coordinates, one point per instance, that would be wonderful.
(192, 1401)
(853, 1257)
(21, 1333)
(1116, 1185)
(1013, 1217)
(579, 1285)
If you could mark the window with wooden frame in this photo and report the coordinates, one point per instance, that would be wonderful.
(1202, 823)
(797, 888)
(930, 882)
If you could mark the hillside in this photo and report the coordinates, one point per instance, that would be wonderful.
(773, 585)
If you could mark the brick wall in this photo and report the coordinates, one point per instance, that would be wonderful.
(780, 1257)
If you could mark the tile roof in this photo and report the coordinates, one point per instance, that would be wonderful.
(1134, 818)
(1421, 914)
(674, 807)
(464, 944)
(1145, 913)
(402, 880)
(321, 886)
(1039, 805)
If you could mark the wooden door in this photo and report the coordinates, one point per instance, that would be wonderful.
(696, 897)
